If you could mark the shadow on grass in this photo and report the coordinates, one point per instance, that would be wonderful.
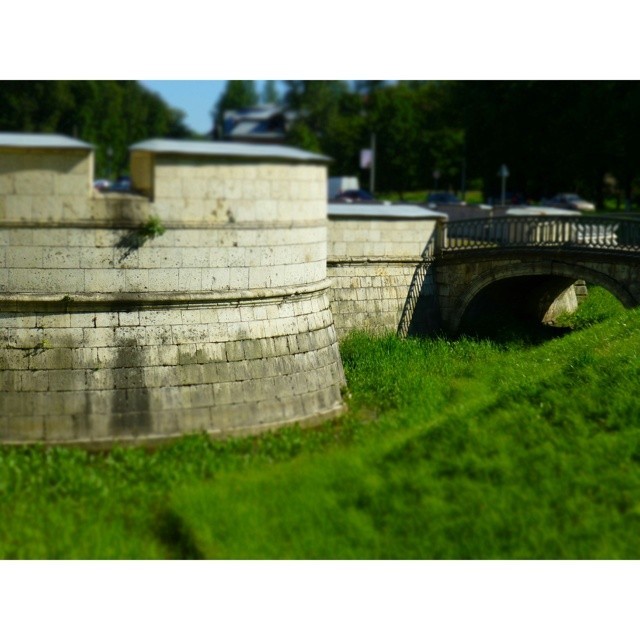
(511, 331)
(176, 536)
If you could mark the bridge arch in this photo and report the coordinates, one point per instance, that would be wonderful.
(556, 273)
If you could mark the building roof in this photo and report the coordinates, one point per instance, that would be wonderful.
(261, 123)
(263, 112)
(227, 150)
(41, 141)
(390, 211)
(255, 129)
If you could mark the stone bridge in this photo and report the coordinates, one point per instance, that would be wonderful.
(536, 264)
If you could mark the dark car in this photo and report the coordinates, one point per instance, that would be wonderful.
(441, 197)
(121, 185)
(355, 195)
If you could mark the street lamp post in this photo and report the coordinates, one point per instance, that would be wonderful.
(109, 162)
(372, 172)
(503, 172)
(463, 179)
(436, 177)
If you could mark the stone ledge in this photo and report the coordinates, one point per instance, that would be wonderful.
(13, 302)
(129, 224)
(336, 261)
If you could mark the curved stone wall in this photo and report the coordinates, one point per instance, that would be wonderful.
(110, 332)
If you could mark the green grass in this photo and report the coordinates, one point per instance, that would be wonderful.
(451, 449)
(600, 305)
(419, 197)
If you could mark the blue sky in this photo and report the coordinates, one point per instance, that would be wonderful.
(195, 97)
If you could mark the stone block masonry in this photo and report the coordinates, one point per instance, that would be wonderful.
(220, 325)
(160, 368)
(379, 262)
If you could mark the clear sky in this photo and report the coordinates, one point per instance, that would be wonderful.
(196, 98)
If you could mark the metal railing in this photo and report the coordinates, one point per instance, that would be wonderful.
(574, 232)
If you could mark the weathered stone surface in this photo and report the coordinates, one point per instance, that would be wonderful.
(220, 325)
(544, 277)
(381, 281)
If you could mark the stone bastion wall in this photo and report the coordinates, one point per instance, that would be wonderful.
(111, 331)
(380, 263)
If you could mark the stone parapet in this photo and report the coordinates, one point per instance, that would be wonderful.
(93, 259)
(376, 261)
(44, 177)
(199, 303)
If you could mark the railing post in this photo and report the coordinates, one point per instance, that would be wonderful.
(441, 235)
(537, 231)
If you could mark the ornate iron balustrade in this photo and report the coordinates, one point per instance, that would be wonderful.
(536, 231)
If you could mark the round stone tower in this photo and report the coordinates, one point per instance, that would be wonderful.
(196, 303)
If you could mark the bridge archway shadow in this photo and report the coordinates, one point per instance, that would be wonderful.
(520, 309)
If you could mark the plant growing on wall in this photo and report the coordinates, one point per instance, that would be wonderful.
(152, 228)
(133, 240)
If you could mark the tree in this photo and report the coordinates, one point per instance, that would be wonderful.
(237, 95)
(330, 120)
(367, 87)
(270, 93)
(417, 132)
(111, 115)
(417, 129)
(554, 136)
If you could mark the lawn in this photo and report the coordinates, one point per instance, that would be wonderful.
(468, 448)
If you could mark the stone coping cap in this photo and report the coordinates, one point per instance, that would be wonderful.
(227, 150)
(540, 211)
(41, 141)
(391, 211)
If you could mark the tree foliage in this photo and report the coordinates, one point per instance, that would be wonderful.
(412, 135)
(111, 115)
(553, 136)
(270, 93)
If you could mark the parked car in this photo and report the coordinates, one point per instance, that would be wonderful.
(338, 184)
(441, 197)
(570, 201)
(121, 185)
(101, 184)
(355, 195)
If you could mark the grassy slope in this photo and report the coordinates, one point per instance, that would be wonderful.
(535, 455)
(451, 450)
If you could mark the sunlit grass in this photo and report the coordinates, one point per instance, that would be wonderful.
(482, 454)
(599, 305)
(450, 449)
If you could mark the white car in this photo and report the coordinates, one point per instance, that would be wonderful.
(101, 184)
(569, 201)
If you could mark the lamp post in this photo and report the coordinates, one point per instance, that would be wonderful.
(368, 156)
(368, 161)
(436, 176)
(372, 172)
(503, 172)
(463, 169)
